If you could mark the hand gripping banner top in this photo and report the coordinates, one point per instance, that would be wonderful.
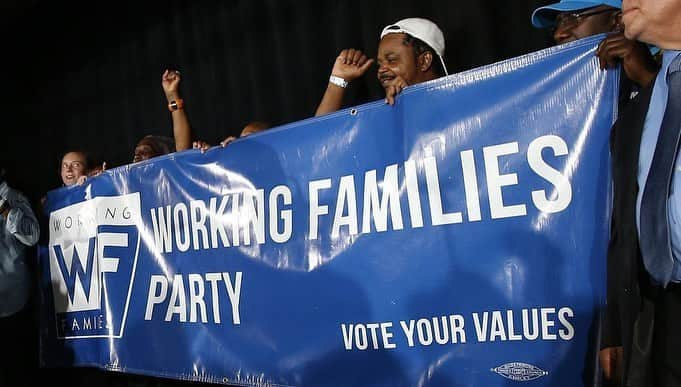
(455, 238)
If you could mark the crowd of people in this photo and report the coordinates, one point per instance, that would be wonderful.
(640, 325)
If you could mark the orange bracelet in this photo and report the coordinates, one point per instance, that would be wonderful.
(176, 104)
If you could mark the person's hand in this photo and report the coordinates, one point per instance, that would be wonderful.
(351, 64)
(201, 145)
(395, 87)
(635, 56)
(611, 362)
(170, 80)
(81, 180)
(227, 141)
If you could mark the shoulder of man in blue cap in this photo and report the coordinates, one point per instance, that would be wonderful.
(544, 17)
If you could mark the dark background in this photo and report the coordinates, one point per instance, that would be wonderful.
(87, 75)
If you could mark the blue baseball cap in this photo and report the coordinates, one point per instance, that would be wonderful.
(544, 17)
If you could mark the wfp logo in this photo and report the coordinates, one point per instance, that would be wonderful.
(519, 372)
(93, 254)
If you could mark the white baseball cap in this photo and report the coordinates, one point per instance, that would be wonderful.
(422, 29)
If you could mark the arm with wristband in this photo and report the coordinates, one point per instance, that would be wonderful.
(182, 131)
(349, 65)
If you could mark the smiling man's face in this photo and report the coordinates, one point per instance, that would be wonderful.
(73, 166)
(395, 58)
(595, 20)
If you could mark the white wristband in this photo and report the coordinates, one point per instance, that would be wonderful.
(338, 81)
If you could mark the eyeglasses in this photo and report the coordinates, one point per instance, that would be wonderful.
(569, 20)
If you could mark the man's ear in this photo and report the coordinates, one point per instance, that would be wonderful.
(425, 61)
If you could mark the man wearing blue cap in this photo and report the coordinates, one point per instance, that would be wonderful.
(572, 20)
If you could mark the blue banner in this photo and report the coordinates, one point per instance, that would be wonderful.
(455, 238)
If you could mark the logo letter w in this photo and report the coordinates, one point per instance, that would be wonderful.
(76, 271)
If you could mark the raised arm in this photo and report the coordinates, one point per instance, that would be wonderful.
(349, 65)
(182, 131)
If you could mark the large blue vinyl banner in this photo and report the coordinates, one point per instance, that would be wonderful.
(457, 238)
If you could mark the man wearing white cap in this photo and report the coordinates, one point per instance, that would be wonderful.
(410, 51)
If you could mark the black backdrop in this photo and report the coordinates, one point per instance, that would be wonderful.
(87, 75)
